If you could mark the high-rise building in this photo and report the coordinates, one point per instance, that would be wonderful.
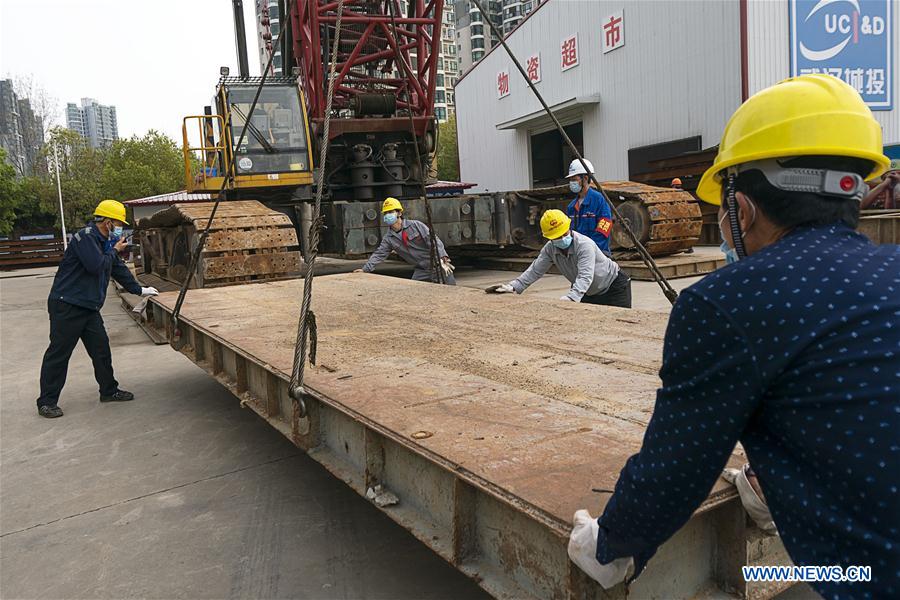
(474, 37)
(31, 128)
(10, 136)
(95, 122)
(21, 132)
(447, 67)
(75, 118)
(268, 26)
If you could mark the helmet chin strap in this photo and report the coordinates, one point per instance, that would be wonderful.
(731, 206)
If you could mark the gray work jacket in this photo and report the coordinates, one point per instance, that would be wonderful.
(412, 243)
(585, 266)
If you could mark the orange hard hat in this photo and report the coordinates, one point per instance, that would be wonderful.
(676, 181)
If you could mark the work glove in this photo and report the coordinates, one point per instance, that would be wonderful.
(502, 288)
(149, 291)
(755, 506)
(447, 267)
(583, 552)
(567, 298)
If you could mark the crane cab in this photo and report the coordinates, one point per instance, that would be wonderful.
(274, 156)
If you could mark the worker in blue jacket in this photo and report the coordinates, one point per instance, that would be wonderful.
(589, 212)
(793, 350)
(77, 295)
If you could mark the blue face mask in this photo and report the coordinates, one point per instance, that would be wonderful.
(575, 186)
(116, 232)
(563, 242)
(731, 255)
(389, 218)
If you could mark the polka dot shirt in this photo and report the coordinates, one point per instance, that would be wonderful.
(795, 352)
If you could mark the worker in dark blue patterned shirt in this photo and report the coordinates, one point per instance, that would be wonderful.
(794, 351)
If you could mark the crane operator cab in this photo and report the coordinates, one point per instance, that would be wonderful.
(273, 158)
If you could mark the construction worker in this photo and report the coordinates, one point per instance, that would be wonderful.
(588, 210)
(792, 350)
(884, 195)
(595, 278)
(411, 241)
(77, 295)
(676, 183)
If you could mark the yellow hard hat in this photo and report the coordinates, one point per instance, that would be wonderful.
(801, 116)
(391, 204)
(554, 224)
(112, 209)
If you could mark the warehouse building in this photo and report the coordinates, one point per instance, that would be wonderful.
(638, 82)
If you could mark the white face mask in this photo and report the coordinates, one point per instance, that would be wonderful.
(731, 255)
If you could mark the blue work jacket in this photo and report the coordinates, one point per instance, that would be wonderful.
(83, 274)
(593, 218)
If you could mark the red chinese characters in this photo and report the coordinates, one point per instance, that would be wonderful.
(569, 52)
(613, 32)
(502, 84)
(533, 68)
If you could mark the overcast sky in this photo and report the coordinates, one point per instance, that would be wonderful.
(156, 61)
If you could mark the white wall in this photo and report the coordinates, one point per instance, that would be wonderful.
(768, 29)
(678, 75)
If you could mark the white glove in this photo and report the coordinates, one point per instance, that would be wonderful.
(753, 504)
(583, 552)
(566, 298)
(141, 306)
(505, 288)
(448, 268)
(149, 291)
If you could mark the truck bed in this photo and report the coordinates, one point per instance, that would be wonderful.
(491, 418)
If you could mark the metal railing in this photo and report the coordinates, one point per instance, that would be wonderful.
(209, 169)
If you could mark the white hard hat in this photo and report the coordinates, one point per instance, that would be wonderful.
(575, 168)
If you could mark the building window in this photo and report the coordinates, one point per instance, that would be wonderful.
(477, 29)
(440, 80)
(449, 97)
(440, 97)
(440, 113)
(440, 63)
(478, 43)
(477, 55)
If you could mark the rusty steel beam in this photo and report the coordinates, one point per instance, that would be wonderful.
(486, 471)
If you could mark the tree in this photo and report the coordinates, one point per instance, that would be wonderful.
(140, 167)
(125, 170)
(9, 195)
(447, 151)
(45, 110)
(80, 169)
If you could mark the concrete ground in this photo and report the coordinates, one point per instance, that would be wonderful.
(181, 493)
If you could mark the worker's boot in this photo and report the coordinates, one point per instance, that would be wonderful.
(119, 396)
(51, 412)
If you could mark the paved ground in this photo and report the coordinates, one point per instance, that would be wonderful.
(182, 494)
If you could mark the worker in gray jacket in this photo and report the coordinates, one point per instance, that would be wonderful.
(595, 278)
(411, 241)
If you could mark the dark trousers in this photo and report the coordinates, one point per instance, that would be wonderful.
(68, 324)
(618, 294)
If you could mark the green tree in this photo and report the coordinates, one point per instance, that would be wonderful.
(142, 166)
(9, 195)
(447, 151)
(80, 167)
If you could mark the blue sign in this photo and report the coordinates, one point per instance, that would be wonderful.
(850, 39)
